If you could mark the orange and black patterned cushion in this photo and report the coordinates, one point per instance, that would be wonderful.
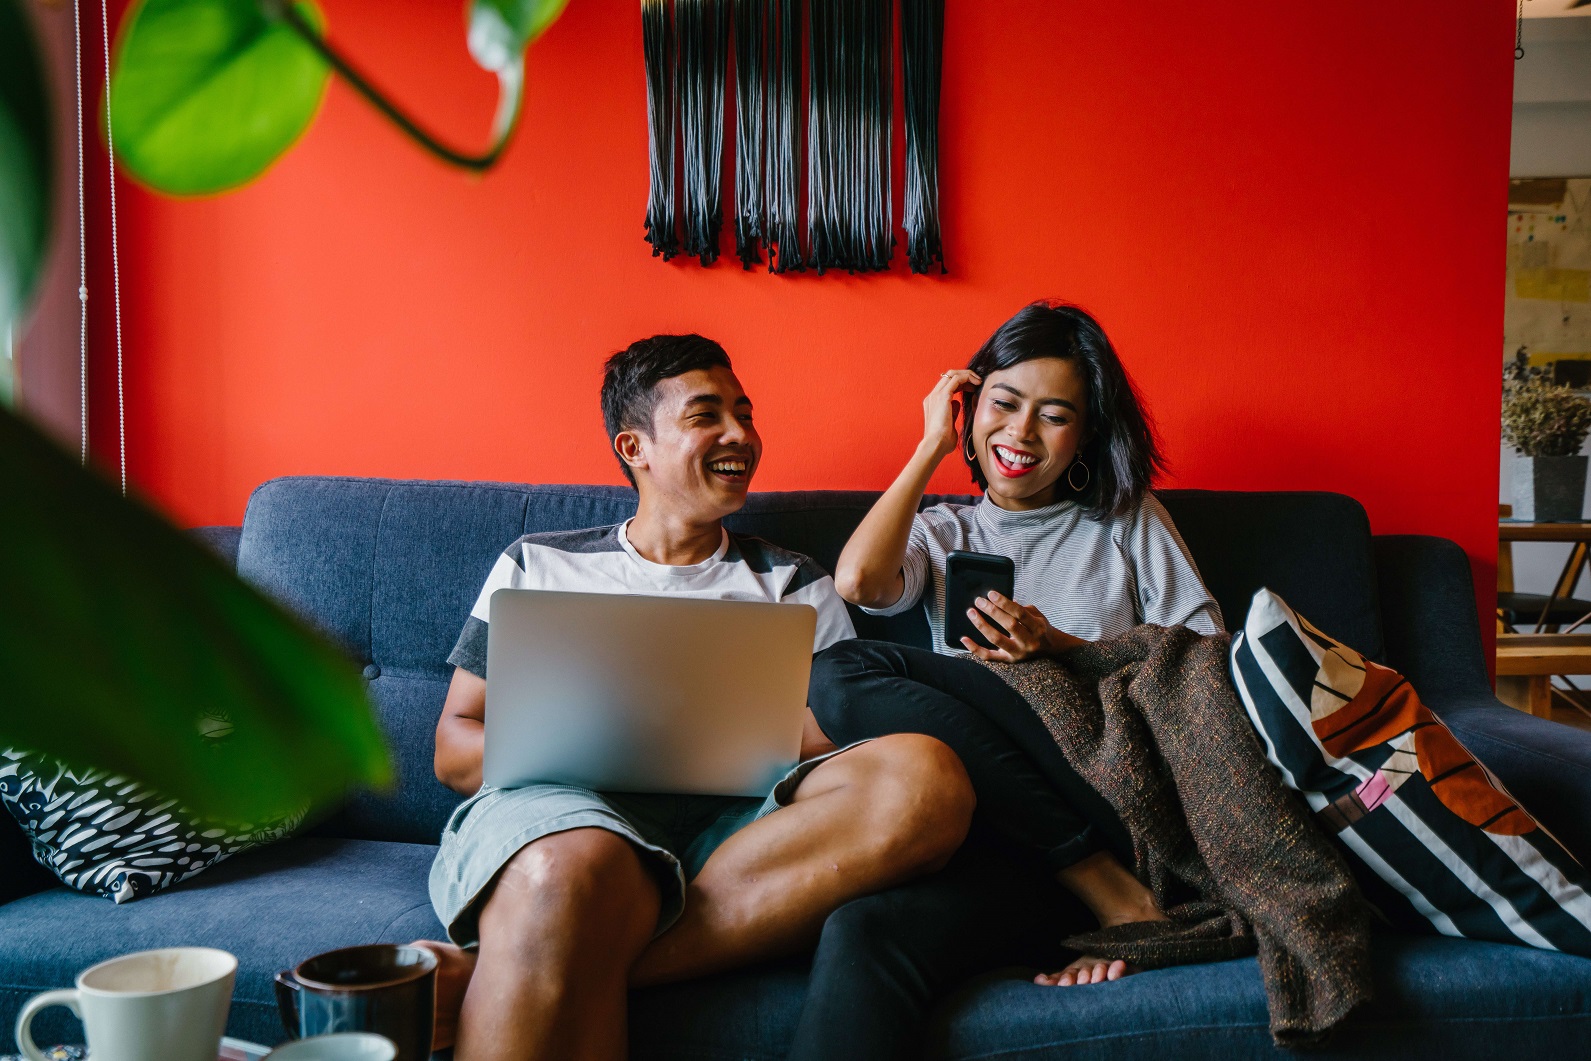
(1435, 841)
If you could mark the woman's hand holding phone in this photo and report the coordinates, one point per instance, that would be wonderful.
(1017, 631)
(940, 408)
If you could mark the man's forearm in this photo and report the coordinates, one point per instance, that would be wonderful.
(460, 748)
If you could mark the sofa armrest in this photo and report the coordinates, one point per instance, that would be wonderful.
(1433, 638)
(1546, 766)
(224, 540)
(1428, 621)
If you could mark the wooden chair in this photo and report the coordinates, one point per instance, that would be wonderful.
(1542, 652)
(1540, 612)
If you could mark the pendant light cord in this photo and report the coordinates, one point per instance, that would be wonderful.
(116, 272)
(82, 244)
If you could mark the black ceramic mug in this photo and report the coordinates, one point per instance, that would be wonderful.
(382, 987)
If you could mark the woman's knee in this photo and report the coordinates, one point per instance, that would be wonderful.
(845, 694)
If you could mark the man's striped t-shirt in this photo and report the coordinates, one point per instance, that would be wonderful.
(1091, 578)
(602, 560)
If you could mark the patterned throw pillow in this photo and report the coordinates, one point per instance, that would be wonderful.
(1434, 839)
(111, 837)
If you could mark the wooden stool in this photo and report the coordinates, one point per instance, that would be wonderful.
(1538, 657)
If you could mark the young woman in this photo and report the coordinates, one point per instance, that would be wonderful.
(1054, 434)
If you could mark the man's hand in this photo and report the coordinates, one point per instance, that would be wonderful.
(1017, 631)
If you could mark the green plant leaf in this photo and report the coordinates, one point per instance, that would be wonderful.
(499, 33)
(122, 640)
(207, 94)
(26, 164)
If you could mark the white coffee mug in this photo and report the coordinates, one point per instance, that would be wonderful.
(339, 1046)
(156, 1005)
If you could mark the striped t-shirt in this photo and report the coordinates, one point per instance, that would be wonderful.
(1091, 579)
(602, 560)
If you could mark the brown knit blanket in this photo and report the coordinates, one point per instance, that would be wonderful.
(1150, 719)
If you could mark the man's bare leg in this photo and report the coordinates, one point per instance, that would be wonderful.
(563, 924)
(880, 814)
(1115, 897)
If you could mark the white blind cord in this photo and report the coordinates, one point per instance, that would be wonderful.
(116, 270)
(82, 244)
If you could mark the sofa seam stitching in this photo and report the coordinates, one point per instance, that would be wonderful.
(375, 556)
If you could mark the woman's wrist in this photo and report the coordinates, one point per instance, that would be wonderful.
(929, 453)
(1058, 641)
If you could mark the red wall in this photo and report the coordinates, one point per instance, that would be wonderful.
(1288, 216)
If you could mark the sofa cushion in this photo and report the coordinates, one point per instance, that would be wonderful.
(418, 805)
(390, 569)
(1434, 998)
(272, 907)
(1312, 548)
(1435, 842)
(116, 838)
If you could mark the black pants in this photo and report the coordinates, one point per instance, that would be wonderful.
(884, 959)
(1027, 791)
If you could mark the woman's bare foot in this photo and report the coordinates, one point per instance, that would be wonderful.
(1115, 897)
(1086, 970)
(454, 967)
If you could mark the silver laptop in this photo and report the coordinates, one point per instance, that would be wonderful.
(622, 693)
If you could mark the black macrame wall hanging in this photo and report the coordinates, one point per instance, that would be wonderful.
(848, 50)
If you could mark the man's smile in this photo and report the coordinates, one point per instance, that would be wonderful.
(731, 469)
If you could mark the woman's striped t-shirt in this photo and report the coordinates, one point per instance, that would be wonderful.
(1092, 579)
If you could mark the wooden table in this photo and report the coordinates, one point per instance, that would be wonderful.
(1510, 530)
(1577, 533)
(1538, 657)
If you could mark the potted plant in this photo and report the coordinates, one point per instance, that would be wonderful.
(1547, 424)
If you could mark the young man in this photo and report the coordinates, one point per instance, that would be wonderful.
(574, 896)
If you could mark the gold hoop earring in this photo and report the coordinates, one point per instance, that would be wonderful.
(1078, 463)
(966, 448)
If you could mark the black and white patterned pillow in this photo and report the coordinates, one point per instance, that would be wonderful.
(108, 836)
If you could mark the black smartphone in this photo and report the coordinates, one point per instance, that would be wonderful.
(969, 576)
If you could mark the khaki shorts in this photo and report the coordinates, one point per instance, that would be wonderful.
(675, 835)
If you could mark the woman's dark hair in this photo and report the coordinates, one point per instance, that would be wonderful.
(631, 376)
(1121, 453)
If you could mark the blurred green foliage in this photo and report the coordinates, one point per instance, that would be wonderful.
(122, 640)
(207, 94)
(26, 167)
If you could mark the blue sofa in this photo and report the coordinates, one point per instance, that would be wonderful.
(390, 569)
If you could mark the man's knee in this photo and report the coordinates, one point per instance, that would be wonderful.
(918, 797)
(570, 883)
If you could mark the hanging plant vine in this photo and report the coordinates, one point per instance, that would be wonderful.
(207, 94)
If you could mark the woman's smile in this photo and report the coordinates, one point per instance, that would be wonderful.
(1011, 462)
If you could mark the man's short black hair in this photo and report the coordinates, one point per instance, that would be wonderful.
(631, 376)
